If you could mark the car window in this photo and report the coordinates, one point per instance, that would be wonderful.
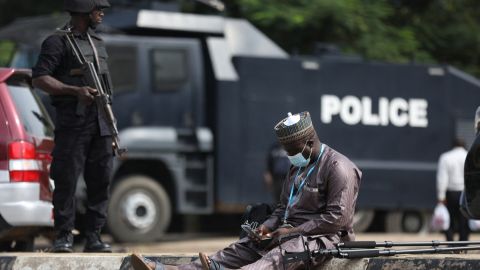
(23, 58)
(33, 115)
(4, 134)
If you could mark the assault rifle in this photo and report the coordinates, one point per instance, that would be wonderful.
(102, 98)
(368, 249)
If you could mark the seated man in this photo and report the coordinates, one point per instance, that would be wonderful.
(316, 206)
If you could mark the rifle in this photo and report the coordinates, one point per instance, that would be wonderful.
(368, 249)
(102, 98)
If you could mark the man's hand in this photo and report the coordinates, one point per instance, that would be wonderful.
(86, 94)
(263, 232)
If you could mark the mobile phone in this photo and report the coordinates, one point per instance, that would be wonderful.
(251, 232)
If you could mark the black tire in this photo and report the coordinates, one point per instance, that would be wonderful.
(407, 222)
(5, 246)
(139, 210)
(362, 220)
(24, 245)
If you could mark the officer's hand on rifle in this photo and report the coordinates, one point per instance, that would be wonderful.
(86, 94)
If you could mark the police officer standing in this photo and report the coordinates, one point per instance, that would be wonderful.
(83, 143)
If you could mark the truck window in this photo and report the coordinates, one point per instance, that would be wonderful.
(34, 117)
(169, 69)
(122, 63)
(464, 128)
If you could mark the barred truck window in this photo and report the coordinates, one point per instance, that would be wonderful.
(169, 69)
(122, 63)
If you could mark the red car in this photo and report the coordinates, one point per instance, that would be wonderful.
(26, 141)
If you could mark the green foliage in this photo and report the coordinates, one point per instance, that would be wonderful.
(449, 30)
(358, 26)
(6, 51)
(9, 10)
(427, 31)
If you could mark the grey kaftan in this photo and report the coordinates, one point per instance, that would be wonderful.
(323, 210)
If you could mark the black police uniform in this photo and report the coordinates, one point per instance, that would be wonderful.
(83, 143)
(278, 165)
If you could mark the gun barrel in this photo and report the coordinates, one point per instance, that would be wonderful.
(367, 249)
(373, 244)
(93, 80)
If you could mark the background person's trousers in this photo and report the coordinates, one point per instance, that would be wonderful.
(458, 223)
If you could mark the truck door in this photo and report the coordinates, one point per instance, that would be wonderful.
(174, 76)
(157, 81)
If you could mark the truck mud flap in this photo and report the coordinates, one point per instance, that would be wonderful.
(4, 226)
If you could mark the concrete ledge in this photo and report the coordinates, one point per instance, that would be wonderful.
(79, 261)
(121, 261)
(408, 262)
(426, 262)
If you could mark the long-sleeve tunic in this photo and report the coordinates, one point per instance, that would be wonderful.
(326, 203)
(322, 209)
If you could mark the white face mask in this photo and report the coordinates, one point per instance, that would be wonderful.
(299, 160)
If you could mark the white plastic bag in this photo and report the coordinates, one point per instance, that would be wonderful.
(440, 219)
(474, 224)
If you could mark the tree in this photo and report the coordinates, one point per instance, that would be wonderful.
(14, 9)
(399, 31)
(357, 26)
(448, 30)
(426, 31)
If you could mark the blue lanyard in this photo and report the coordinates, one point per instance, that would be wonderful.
(292, 196)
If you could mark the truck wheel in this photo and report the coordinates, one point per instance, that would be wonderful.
(5, 246)
(139, 210)
(362, 220)
(407, 221)
(24, 245)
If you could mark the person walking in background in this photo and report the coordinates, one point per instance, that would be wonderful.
(450, 184)
(278, 166)
(83, 142)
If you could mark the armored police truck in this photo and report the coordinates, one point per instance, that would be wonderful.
(197, 96)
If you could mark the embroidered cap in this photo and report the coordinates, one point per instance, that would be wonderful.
(294, 128)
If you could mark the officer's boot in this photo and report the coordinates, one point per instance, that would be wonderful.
(94, 243)
(63, 242)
